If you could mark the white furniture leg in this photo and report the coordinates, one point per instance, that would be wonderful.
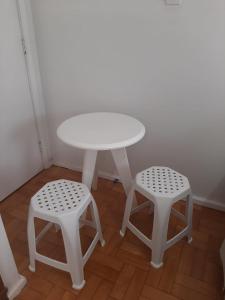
(188, 215)
(71, 236)
(159, 234)
(31, 239)
(127, 212)
(88, 172)
(95, 219)
(8, 270)
(95, 180)
(122, 164)
(89, 167)
(123, 168)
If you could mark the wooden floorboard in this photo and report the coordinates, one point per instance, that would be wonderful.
(121, 270)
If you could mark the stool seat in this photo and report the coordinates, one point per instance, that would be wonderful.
(162, 182)
(60, 197)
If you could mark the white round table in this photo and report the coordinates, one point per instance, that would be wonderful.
(102, 131)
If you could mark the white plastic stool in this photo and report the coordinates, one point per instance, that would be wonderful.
(163, 186)
(63, 202)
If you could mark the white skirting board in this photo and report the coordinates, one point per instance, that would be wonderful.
(101, 174)
(197, 199)
(209, 203)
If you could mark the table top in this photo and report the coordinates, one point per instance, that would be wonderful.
(101, 131)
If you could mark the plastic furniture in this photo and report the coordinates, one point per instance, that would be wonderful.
(62, 202)
(8, 270)
(163, 187)
(100, 131)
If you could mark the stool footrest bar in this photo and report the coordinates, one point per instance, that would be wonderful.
(177, 237)
(178, 214)
(43, 232)
(139, 234)
(141, 206)
(91, 248)
(52, 262)
(84, 222)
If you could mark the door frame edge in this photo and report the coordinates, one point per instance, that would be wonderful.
(34, 79)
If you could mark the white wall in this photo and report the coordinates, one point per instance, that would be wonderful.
(163, 65)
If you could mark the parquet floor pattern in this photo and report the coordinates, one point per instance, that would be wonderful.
(121, 270)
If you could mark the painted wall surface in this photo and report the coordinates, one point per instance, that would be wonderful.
(164, 65)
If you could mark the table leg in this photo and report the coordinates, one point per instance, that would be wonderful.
(90, 157)
(122, 164)
(95, 181)
(89, 167)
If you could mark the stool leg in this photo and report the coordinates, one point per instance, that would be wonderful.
(71, 237)
(188, 215)
(96, 220)
(127, 212)
(57, 227)
(31, 239)
(160, 228)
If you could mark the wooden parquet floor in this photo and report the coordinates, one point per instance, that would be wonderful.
(121, 270)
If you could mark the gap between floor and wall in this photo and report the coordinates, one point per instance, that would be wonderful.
(197, 199)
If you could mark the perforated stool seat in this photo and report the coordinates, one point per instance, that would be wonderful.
(62, 202)
(163, 187)
(59, 197)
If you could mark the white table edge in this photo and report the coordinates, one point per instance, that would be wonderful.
(103, 147)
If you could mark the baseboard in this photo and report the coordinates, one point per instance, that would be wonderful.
(197, 199)
(209, 203)
(101, 174)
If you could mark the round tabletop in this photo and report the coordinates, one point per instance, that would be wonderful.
(101, 131)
